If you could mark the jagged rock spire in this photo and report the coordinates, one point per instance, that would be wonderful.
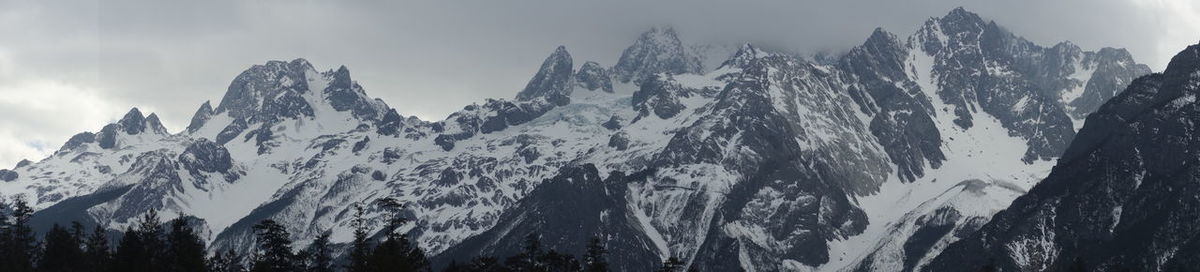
(344, 94)
(552, 80)
(133, 122)
(202, 115)
(961, 20)
(153, 124)
(743, 56)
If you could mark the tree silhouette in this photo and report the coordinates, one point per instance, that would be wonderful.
(320, 255)
(229, 261)
(554, 261)
(594, 259)
(396, 252)
(274, 248)
(96, 252)
(141, 248)
(533, 257)
(18, 239)
(185, 250)
(61, 251)
(527, 260)
(361, 248)
(672, 264)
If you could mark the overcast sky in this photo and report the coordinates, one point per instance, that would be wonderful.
(72, 66)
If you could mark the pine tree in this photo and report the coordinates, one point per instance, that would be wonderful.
(131, 253)
(19, 241)
(78, 234)
(672, 265)
(301, 260)
(594, 259)
(527, 260)
(62, 252)
(990, 266)
(141, 248)
(229, 261)
(454, 266)
(361, 249)
(274, 248)
(151, 232)
(5, 236)
(486, 264)
(397, 252)
(554, 261)
(216, 263)
(96, 252)
(185, 250)
(320, 255)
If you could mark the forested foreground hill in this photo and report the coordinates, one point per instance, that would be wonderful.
(153, 245)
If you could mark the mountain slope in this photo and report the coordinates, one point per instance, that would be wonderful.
(575, 203)
(1122, 197)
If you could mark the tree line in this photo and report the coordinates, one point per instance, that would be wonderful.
(150, 245)
(534, 257)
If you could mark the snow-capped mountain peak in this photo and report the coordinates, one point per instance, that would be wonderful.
(552, 81)
(656, 51)
(742, 57)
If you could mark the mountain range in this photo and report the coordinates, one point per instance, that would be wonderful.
(878, 159)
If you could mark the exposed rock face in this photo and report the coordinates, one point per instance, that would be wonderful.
(1111, 70)
(553, 81)
(205, 156)
(613, 123)
(269, 92)
(154, 179)
(8, 175)
(344, 94)
(593, 77)
(78, 140)
(394, 124)
(1024, 86)
(656, 51)
(203, 114)
(775, 95)
(24, 163)
(902, 113)
(495, 115)
(154, 125)
(1123, 196)
(133, 124)
(659, 95)
(744, 55)
(550, 87)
